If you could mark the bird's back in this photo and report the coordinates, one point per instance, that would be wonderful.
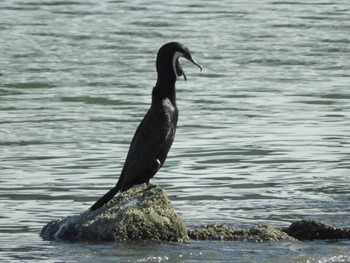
(151, 142)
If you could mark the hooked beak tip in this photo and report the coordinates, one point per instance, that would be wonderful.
(194, 62)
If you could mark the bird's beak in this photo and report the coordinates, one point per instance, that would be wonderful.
(194, 62)
(179, 70)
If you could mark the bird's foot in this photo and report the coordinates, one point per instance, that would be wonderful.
(150, 185)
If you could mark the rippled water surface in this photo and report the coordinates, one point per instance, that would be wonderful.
(263, 134)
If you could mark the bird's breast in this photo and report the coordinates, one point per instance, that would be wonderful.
(171, 115)
(170, 110)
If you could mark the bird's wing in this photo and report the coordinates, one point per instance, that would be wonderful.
(148, 141)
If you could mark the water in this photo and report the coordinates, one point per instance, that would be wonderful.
(263, 134)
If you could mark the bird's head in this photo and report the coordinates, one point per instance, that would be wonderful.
(168, 64)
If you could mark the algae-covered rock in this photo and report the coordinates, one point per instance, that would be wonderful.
(316, 229)
(256, 233)
(299, 230)
(147, 214)
(138, 214)
(266, 233)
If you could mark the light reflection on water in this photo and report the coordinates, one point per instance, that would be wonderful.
(262, 136)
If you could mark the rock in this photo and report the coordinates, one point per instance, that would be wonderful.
(316, 229)
(137, 214)
(265, 233)
(257, 233)
(147, 214)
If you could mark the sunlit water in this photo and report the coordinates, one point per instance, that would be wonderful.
(263, 134)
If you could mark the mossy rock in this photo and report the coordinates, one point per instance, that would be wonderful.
(315, 229)
(138, 214)
(258, 233)
(147, 214)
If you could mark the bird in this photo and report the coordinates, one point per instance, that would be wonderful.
(156, 132)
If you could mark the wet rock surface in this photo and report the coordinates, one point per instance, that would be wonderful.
(316, 229)
(256, 233)
(138, 214)
(147, 214)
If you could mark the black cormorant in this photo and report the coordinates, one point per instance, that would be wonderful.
(156, 132)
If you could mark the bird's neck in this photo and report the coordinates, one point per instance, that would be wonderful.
(165, 88)
(161, 92)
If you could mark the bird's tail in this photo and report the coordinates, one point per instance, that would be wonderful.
(106, 198)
